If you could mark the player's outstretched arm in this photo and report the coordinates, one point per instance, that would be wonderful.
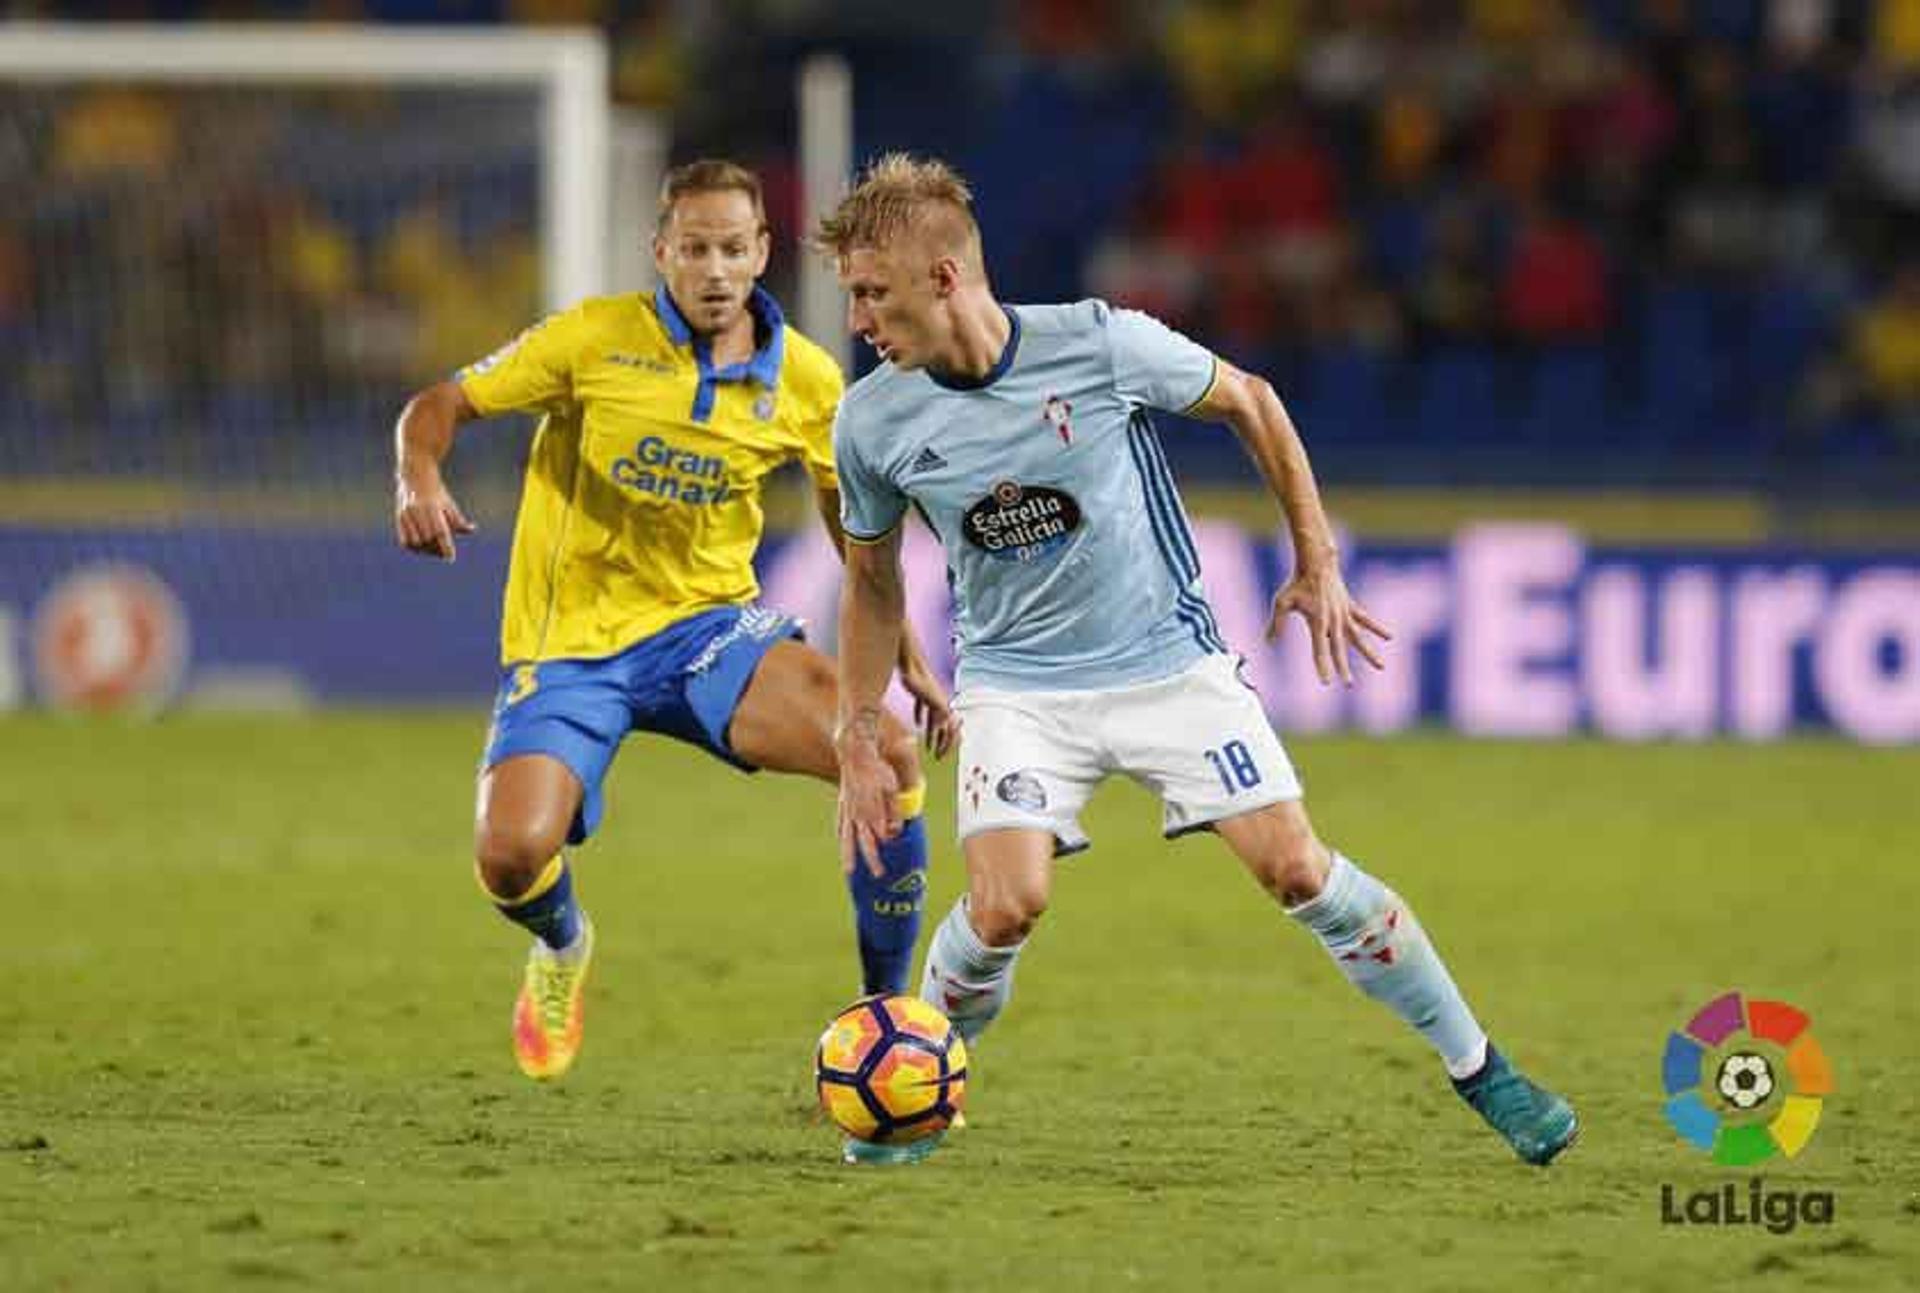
(872, 604)
(932, 710)
(1317, 591)
(425, 516)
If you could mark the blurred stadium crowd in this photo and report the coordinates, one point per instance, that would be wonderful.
(1647, 240)
(197, 280)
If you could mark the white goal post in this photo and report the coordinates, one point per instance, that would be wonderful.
(566, 67)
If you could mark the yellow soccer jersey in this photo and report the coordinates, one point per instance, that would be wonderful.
(642, 497)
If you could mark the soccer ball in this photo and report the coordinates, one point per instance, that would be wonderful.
(1746, 1080)
(891, 1069)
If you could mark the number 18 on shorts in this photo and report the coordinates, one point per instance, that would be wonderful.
(1199, 740)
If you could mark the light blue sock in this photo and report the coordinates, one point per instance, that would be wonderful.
(1375, 940)
(964, 977)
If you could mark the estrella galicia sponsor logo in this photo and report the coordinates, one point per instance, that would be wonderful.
(1744, 1081)
(663, 469)
(1023, 790)
(1018, 522)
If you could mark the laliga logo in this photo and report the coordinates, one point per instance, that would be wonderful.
(108, 638)
(1748, 1044)
(1744, 1080)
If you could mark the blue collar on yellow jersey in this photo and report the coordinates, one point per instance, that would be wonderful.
(763, 367)
(955, 382)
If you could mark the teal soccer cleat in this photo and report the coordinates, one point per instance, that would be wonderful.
(875, 1154)
(1535, 1121)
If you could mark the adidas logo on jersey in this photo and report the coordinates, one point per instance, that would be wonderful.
(927, 460)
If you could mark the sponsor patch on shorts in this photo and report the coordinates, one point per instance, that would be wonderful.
(1022, 790)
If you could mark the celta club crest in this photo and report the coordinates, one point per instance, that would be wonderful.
(1023, 790)
(1057, 413)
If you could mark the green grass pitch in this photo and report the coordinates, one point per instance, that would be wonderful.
(253, 1028)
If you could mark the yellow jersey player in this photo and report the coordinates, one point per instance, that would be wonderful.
(630, 592)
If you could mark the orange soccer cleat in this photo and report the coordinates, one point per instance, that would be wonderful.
(547, 1014)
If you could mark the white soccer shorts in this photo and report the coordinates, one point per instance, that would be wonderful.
(1199, 739)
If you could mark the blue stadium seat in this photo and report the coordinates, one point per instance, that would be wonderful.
(139, 429)
(1457, 398)
(247, 410)
(1396, 234)
(1343, 395)
(1786, 327)
(1617, 20)
(1861, 439)
(1735, 21)
(1679, 369)
(1568, 399)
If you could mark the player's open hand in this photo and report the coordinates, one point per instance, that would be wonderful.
(1336, 623)
(869, 805)
(933, 714)
(425, 518)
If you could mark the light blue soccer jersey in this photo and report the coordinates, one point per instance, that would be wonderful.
(1068, 552)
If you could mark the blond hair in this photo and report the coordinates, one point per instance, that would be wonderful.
(709, 175)
(900, 194)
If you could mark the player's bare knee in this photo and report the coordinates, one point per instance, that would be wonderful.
(1293, 866)
(1003, 924)
(511, 856)
(1005, 914)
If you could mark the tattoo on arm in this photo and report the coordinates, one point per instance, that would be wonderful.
(865, 723)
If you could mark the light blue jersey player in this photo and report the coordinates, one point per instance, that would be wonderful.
(1045, 482)
(1022, 435)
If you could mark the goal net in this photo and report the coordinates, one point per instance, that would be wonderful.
(226, 256)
